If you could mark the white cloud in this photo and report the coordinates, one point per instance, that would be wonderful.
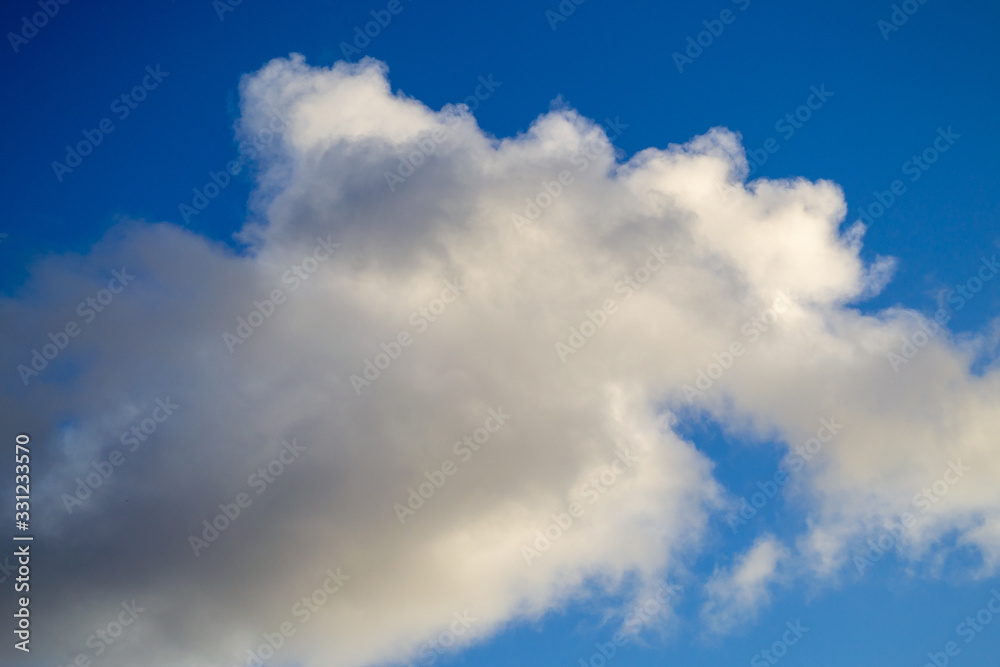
(735, 596)
(494, 346)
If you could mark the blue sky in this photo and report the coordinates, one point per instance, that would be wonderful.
(890, 95)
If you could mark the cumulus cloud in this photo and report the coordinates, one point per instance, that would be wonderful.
(592, 301)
